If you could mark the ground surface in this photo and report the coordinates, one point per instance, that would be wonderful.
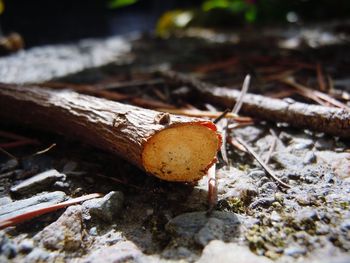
(141, 219)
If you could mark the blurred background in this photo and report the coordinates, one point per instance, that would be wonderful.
(46, 22)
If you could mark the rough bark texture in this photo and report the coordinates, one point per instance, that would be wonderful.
(116, 127)
(330, 120)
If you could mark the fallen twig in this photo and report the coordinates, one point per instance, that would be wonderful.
(169, 147)
(314, 94)
(272, 147)
(7, 153)
(244, 91)
(222, 115)
(326, 119)
(212, 188)
(320, 78)
(15, 220)
(45, 150)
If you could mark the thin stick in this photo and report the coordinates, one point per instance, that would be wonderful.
(320, 77)
(269, 172)
(15, 220)
(236, 144)
(14, 136)
(314, 93)
(244, 91)
(272, 147)
(223, 145)
(133, 84)
(8, 154)
(10, 145)
(330, 120)
(221, 116)
(45, 150)
(235, 111)
(212, 188)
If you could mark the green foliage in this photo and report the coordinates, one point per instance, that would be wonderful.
(120, 3)
(235, 6)
(2, 7)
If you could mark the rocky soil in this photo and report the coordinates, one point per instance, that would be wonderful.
(142, 219)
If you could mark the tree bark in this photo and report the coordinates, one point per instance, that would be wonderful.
(171, 147)
(330, 120)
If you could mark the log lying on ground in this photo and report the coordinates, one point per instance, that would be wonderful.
(171, 147)
(330, 120)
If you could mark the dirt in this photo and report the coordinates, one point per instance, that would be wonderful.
(155, 221)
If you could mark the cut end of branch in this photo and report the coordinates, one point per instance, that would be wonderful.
(182, 152)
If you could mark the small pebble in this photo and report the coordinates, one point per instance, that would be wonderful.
(9, 250)
(301, 144)
(93, 231)
(322, 229)
(26, 246)
(306, 215)
(60, 184)
(295, 251)
(345, 226)
(264, 202)
(324, 144)
(285, 137)
(275, 217)
(268, 189)
(105, 208)
(257, 174)
(309, 158)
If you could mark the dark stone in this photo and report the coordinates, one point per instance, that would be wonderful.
(324, 144)
(268, 189)
(203, 227)
(213, 229)
(105, 208)
(285, 137)
(264, 202)
(294, 175)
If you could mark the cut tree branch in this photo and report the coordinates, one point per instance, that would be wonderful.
(171, 147)
(330, 120)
